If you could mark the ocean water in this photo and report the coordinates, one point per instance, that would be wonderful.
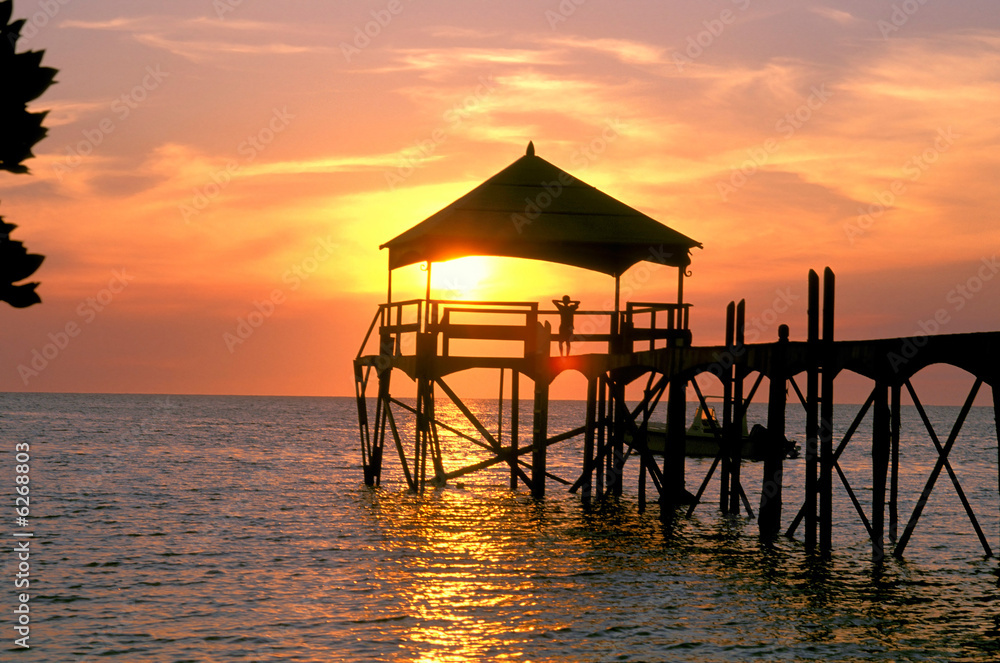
(194, 528)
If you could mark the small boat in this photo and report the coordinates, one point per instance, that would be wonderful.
(701, 440)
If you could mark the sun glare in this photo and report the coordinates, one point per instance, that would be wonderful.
(462, 278)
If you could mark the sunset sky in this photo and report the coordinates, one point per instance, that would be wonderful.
(207, 160)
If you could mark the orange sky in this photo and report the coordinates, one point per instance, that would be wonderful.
(207, 160)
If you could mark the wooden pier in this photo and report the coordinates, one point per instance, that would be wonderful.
(422, 339)
(660, 353)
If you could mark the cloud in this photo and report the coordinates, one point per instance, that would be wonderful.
(836, 15)
(628, 51)
(200, 39)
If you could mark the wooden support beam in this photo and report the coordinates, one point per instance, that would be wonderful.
(473, 419)
(826, 418)
(589, 435)
(674, 458)
(638, 435)
(812, 412)
(718, 456)
(540, 422)
(422, 434)
(735, 439)
(410, 481)
(617, 456)
(942, 457)
(753, 391)
(995, 387)
(499, 458)
(798, 392)
(602, 430)
(881, 452)
(854, 500)
(951, 472)
(894, 417)
(704, 484)
(836, 456)
(491, 443)
(360, 395)
(769, 521)
(500, 411)
(646, 411)
(515, 407)
(382, 405)
(726, 376)
(637, 432)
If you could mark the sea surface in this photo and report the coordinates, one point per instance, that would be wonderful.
(196, 528)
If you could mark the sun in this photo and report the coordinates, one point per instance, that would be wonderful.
(461, 278)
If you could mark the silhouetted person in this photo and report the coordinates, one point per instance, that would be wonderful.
(567, 307)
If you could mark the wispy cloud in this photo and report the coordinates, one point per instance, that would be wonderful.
(629, 51)
(200, 39)
(836, 15)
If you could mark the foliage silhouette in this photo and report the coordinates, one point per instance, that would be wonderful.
(22, 80)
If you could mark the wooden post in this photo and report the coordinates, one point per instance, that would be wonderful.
(895, 393)
(674, 448)
(680, 288)
(432, 439)
(739, 371)
(515, 408)
(726, 375)
(615, 346)
(826, 418)
(588, 437)
(995, 387)
(539, 436)
(381, 418)
(812, 410)
(642, 484)
(364, 430)
(420, 444)
(602, 432)
(617, 439)
(644, 413)
(540, 418)
(388, 294)
(769, 520)
(500, 410)
(881, 452)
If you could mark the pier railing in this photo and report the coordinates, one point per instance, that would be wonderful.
(524, 323)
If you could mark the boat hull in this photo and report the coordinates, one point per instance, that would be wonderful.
(753, 447)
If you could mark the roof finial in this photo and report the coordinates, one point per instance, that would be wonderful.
(531, 149)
